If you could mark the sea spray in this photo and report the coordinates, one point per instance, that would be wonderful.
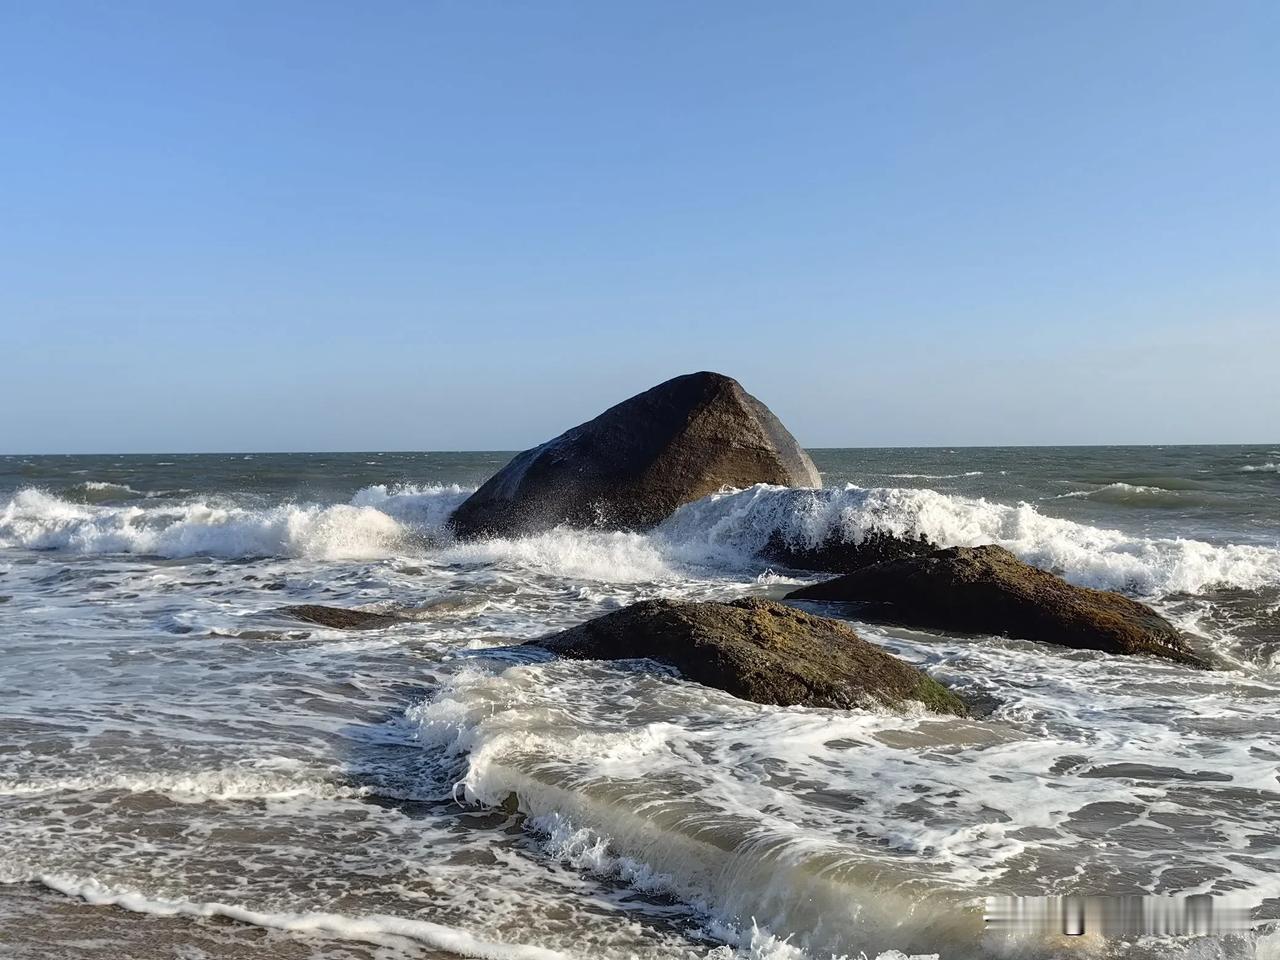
(733, 525)
(724, 531)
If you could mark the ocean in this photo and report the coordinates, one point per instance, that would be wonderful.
(186, 772)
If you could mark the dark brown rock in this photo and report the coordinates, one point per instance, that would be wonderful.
(989, 590)
(758, 650)
(633, 465)
(836, 555)
(339, 618)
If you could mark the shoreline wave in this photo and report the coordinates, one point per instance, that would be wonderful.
(378, 929)
(743, 842)
(745, 873)
(723, 829)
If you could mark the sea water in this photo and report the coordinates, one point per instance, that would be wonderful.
(186, 771)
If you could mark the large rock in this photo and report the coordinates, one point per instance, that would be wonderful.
(989, 590)
(638, 461)
(757, 650)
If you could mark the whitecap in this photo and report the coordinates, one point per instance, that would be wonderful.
(37, 520)
(734, 525)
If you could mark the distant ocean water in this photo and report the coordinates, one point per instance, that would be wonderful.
(185, 772)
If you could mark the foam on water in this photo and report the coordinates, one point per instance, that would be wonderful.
(1138, 495)
(727, 530)
(729, 806)
(933, 476)
(736, 524)
(607, 556)
(389, 930)
(424, 507)
(611, 800)
(235, 783)
(92, 491)
(376, 524)
(178, 746)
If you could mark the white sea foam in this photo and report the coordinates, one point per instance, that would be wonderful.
(848, 830)
(405, 936)
(588, 851)
(424, 507)
(98, 491)
(726, 530)
(605, 801)
(932, 476)
(610, 556)
(1268, 467)
(359, 530)
(792, 834)
(104, 485)
(230, 784)
(376, 928)
(1119, 487)
(739, 523)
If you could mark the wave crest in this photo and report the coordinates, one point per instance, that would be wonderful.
(1139, 495)
(738, 523)
(377, 523)
(727, 531)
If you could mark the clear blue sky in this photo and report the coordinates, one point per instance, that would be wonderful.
(422, 225)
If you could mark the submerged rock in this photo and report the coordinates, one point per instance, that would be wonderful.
(989, 590)
(758, 650)
(837, 555)
(633, 465)
(339, 618)
(344, 618)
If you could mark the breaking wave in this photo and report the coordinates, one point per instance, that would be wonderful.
(99, 491)
(724, 531)
(731, 807)
(600, 799)
(377, 523)
(1138, 495)
(741, 523)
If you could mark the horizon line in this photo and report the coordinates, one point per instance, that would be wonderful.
(513, 450)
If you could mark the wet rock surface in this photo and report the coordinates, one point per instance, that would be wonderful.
(758, 650)
(989, 590)
(633, 465)
(837, 555)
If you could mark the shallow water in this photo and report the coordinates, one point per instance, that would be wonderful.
(184, 771)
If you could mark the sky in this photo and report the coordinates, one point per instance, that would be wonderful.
(470, 225)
